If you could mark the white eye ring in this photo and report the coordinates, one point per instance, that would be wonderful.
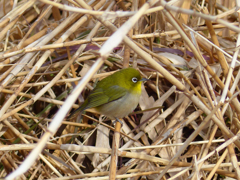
(134, 79)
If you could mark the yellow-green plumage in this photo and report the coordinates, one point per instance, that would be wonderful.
(117, 95)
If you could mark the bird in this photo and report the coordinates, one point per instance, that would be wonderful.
(115, 96)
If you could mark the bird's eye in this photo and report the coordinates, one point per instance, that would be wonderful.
(134, 79)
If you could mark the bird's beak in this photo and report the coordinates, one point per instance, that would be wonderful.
(144, 79)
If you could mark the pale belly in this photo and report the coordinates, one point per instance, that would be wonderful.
(121, 107)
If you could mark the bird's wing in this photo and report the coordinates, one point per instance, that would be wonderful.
(99, 96)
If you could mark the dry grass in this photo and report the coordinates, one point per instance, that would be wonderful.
(187, 122)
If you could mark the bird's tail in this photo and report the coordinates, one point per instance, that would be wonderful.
(75, 112)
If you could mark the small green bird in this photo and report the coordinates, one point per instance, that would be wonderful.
(117, 95)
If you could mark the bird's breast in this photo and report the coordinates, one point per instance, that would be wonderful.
(120, 107)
